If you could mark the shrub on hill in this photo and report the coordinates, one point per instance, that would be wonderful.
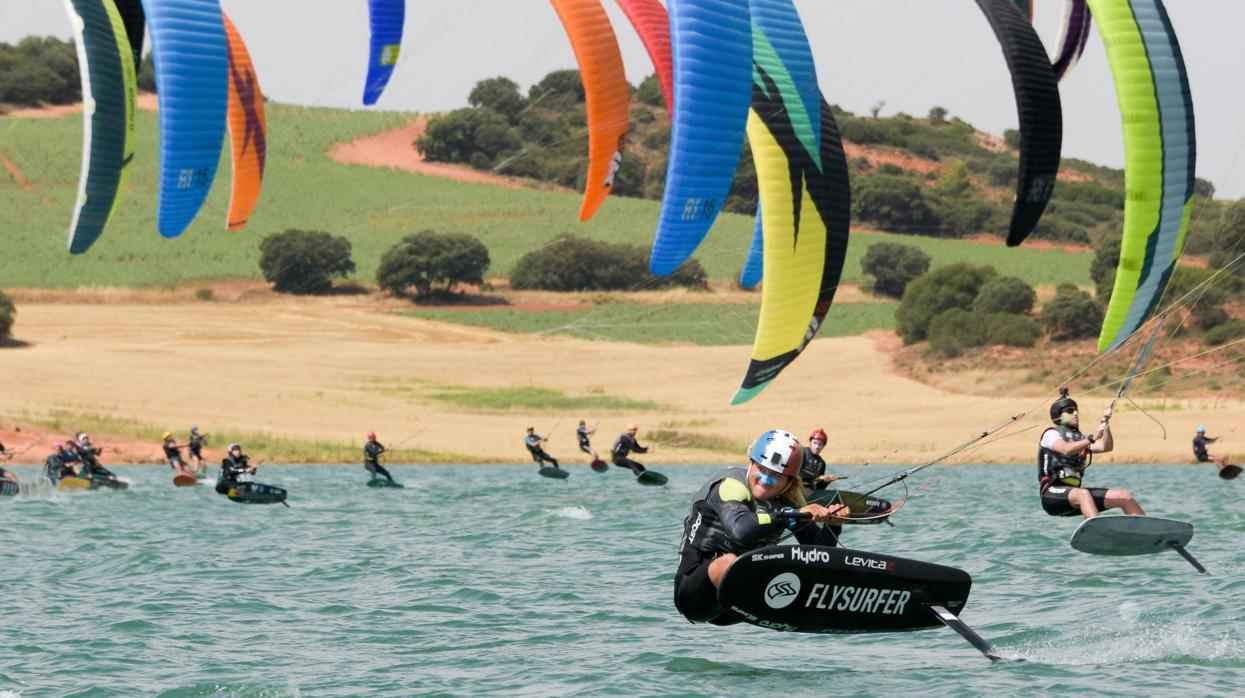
(893, 266)
(1071, 314)
(570, 263)
(935, 292)
(1010, 330)
(428, 258)
(1227, 332)
(892, 203)
(477, 137)
(1007, 295)
(500, 94)
(39, 69)
(1102, 269)
(8, 313)
(557, 89)
(304, 261)
(955, 331)
(649, 92)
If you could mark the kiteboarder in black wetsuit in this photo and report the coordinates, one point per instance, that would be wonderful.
(584, 435)
(233, 467)
(371, 457)
(739, 510)
(4, 474)
(196, 443)
(1063, 455)
(813, 472)
(623, 447)
(89, 454)
(534, 443)
(173, 454)
(60, 464)
(1200, 442)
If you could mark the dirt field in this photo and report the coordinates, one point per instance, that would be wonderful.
(326, 369)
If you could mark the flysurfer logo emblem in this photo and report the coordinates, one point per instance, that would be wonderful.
(890, 602)
(782, 590)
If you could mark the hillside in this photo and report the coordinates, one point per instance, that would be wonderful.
(373, 207)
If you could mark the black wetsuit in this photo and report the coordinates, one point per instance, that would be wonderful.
(813, 468)
(91, 468)
(173, 454)
(57, 466)
(196, 445)
(371, 459)
(533, 444)
(726, 518)
(1199, 448)
(230, 470)
(1059, 475)
(584, 445)
(623, 447)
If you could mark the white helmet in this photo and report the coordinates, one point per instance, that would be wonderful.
(777, 451)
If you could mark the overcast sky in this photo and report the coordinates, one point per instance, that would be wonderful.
(910, 54)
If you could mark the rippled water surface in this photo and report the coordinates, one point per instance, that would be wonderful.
(491, 580)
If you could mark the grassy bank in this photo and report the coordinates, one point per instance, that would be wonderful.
(704, 324)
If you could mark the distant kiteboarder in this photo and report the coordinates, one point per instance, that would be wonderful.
(232, 467)
(535, 446)
(371, 457)
(625, 445)
(172, 453)
(89, 455)
(739, 510)
(584, 435)
(61, 463)
(196, 443)
(1063, 455)
(813, 472)
(1227, 470)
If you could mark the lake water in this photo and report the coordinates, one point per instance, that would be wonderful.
(491, 580)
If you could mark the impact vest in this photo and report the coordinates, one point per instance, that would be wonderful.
(1056, 469)
(231, 468)
(813, 468)
(702, 529)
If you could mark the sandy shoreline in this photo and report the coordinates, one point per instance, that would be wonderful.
(331, 369)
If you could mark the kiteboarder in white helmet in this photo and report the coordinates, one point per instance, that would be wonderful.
(739, 510)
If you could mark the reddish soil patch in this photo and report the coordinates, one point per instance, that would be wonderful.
(395, 149)
(879, 156)
(17, 174)
(146, 100)
(1031, 243)
(32, 445)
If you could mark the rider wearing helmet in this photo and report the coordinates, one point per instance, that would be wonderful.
(1200, 442)
(813, 472)
(172, 453)
(739, 510)
(1063, 455)
(371, 457)
(623, 447)
(196, 442)
(233, 467)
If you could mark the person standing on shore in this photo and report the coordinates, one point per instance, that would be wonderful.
(371, 457)
(623, 447)
(535, 446)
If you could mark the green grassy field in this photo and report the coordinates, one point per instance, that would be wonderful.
(706, 324)
(509, 399)
(371, 207)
